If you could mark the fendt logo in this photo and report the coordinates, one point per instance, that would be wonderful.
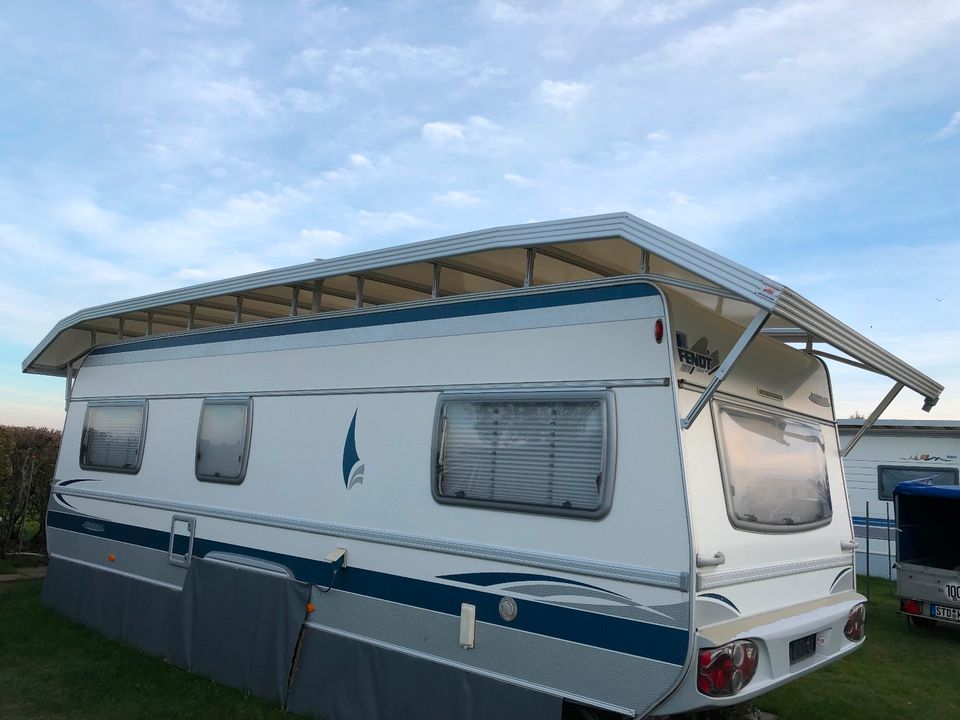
(697, 357)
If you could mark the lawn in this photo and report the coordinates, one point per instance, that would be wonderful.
(51, 668)
(898, 674)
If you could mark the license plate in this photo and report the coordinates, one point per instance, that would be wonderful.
(945, 613)
(802, 648)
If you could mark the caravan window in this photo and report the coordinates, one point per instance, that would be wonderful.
(774, 470)
(539, 455)
(223, 440)
(889, 477)
(112, 437)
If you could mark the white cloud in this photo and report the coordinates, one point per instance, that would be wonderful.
(441, 132)
(658, 136)
(323, 238)
(360, 161)
(950, 128)
(515, 179)
(563, 95)
(505, 12)
(457, 198)
(476, 134)
(214, 12)
(386, 222)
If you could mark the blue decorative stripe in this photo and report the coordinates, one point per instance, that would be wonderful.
(487, 579)
(641, 639)
(441, 311)
(837, 578)
(721, 598)
(874, 522)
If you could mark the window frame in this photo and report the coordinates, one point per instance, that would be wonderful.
(84, 465)
(928, 468)
(247, 433)
(608, 453)
(756, 527)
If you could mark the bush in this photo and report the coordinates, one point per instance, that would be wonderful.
(28, 458)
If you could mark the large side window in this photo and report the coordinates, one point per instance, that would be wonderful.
(112, 437)
(223, 440)
(539, 454)
(774, 470)
(889, 477)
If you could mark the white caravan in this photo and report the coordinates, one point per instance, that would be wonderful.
(891, 452)
(559, 467)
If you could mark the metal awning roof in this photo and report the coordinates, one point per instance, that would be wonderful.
(486, 260)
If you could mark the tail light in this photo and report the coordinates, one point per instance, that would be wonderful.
(727, 669)
(856, 627)
(911, 607)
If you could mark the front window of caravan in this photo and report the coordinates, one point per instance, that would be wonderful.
(112, 437)
(774, 470)
(539, 455)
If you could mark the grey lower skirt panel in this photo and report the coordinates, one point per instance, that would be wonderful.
(241, 626)
(245, 628)
(236, 625)
(343, 678)
(122, 607)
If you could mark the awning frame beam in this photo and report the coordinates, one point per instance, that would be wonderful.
(868, 423)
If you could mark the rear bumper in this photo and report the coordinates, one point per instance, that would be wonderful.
(772, 632)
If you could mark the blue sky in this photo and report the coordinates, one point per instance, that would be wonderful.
(150, 145)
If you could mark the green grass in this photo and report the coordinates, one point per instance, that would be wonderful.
(897, 674)
(51, 668)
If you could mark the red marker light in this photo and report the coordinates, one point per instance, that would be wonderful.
(658, 331)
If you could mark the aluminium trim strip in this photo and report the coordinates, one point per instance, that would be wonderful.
(564, 385)
(614, 571)
(620, 710)
(705, 581)
(132, 576)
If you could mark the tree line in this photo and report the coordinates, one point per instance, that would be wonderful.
(28, 458)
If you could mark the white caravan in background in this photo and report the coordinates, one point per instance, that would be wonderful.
(891, 452)
(558, 467)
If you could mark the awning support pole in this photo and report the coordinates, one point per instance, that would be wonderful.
(528, 273)
(69, 391)
(877, 411)
(294, 302)
(751, 332)
(317, 295)
(435, 289)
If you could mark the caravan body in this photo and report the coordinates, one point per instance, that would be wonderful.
(599, 486)
(891, 452)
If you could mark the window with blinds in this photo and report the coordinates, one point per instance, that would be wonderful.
(542, 455)
(222, 440)
(113, 437)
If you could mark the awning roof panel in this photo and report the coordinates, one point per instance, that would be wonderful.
(486, 260)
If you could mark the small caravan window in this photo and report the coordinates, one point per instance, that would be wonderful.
(539, 455)
(222, 440)
(774, 470)
(112, 437)
(889, 477)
